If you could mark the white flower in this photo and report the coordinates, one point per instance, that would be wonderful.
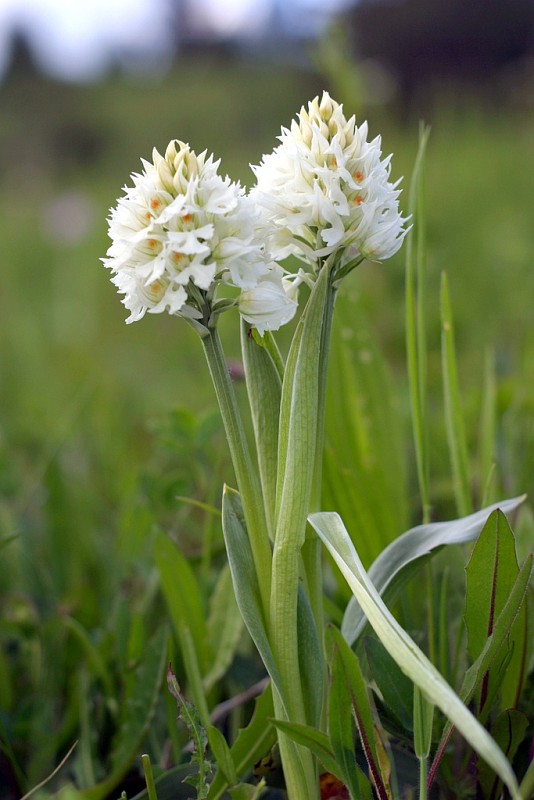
(268, 305)
(325, 189)
(180, 226)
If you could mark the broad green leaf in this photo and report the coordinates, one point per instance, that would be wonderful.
(182, 594)
(264, 389)
(515, 677)
(251, 744)
(475, 674)
(244, 580)
(396, 689)
(395, 565)
(453, 409)
(222, 754)
(508, 731)
(403, 649)
(310, 660)
(225, 626)
(341, 726)
(346, 667)
(298, 418)
(491, 573)
(137, 711)
(501, 630)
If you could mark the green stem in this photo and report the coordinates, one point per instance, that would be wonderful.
(149, 777)
(245, 470)
(422, 778)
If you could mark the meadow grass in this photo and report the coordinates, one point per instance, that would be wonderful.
(103, 425)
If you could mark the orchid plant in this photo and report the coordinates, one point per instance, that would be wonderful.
(194, 244)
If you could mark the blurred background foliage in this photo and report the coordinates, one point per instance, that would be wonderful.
(104, 425)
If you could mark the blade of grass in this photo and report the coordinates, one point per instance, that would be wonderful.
(415, 322)
(453, 407)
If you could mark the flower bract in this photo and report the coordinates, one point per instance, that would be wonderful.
(269, 304)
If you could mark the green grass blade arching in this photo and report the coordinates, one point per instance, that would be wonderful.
(403, 649)
(397, 563)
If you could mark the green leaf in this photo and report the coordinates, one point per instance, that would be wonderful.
(182, 594)
(508, 730)
(245, 581)
(491, 573)
(500, 631)
(346, 668)
(310, 660)
(340, 727)
(264, 389)
(403, 649)
(314, 740)
(225, 626)
(298, 418)
(397, 563)
(396, 689)
(181, 591)
(137, 712)
(222, 754)
(475, 674)
(250, 745)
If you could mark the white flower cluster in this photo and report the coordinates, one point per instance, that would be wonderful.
(180, 226)
(182, 230)
(325, 189)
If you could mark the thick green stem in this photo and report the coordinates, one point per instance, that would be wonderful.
(300, 774)
(245, 470)
(422, 779)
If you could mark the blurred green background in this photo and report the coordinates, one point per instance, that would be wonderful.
(101, 423)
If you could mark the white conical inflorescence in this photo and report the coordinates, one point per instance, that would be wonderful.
(325, 189)
(178, 228)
